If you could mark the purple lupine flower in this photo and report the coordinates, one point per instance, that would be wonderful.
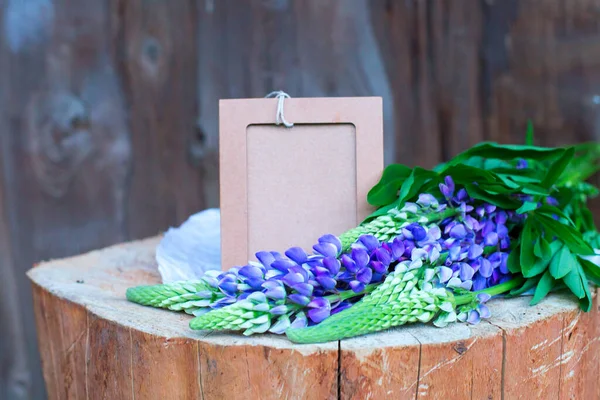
(298, 283)
(360, 257)
(357, 286)
(458, 231)
(228, 284)
(479, 282)
(461, 196)
(473, 317)
(275, 290)
(447, 188)
(326, 281)
(415, 232)
(341, 307)
(297, 255)
(283, 264)
(299, 299)
(266, 258)
(444, 274)
(319, 309)
(364, 275)
(332, 264)
(300, 321)
(305, 289)
(475, 251)
(491, 239)
(370, 242)
(552, 201)
(331, 239)
(326, 249)
(279, 310)
(466, 272)
(427, 200)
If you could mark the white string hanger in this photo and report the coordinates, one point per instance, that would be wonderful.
(280, 117)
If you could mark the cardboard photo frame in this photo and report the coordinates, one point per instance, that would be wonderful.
(283, 187)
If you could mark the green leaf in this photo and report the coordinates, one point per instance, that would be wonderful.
(527, 206)
(549, 211)
(386, 190)
(545, 284)
(413, 184)
(569, 235)
(531, 175)
(512, 262)
(537, 268)
(498, 200)
(541, 264)
(587, 218)
(574, 282)
(506, 152)
(558, 167)
(542, 249)
(562, 263)
(509, 182)
(586, 301)
(527, 257)
(529, 133)
(534, 190)
(591, 270)
(529, 284)
(491, 163)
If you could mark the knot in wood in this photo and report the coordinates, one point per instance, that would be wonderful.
(58, 129)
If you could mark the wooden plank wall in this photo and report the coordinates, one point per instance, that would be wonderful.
(108, 108)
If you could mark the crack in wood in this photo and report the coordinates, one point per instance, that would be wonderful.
(339, 370)
(418, 382)
(562, 349)
(131, 363)
(503, 373)
(87, 353)
(199, 369)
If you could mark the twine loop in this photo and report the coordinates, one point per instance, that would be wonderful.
(279, 116)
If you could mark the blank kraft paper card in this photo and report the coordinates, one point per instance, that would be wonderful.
(282, 187)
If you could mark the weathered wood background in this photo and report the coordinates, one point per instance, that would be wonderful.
(108, 108)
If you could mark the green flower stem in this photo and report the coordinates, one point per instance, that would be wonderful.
(348, 294)
(492, 291)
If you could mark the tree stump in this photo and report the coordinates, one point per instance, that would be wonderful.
(95, 344)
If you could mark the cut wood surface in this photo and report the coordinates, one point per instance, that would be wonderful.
(96, 344)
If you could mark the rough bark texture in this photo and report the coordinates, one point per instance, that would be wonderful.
(94, 344)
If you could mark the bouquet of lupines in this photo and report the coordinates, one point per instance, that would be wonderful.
(495, 220)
